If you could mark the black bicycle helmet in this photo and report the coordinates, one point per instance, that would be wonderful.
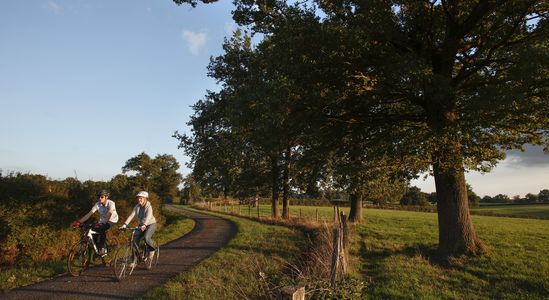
(103, 192)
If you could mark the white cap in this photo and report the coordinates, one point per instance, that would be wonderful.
(142, 194)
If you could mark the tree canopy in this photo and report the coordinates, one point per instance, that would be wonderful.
(393, 88)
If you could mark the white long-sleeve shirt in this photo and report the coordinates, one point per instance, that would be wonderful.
(144, 214)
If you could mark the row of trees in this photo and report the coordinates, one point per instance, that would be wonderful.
(362, 95)
(35, 211)
(542, 196)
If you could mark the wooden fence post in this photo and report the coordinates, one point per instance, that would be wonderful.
(335, 257)
(339, 261)
(291, 293)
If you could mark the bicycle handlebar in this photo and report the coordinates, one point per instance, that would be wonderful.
(130, 228)
(85, 226)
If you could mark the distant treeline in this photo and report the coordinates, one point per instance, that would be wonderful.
(36, 211)
(542, 196)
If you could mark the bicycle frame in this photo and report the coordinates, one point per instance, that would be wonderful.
(133, 245)
(128, 256)
(88, 236)
(84, 251)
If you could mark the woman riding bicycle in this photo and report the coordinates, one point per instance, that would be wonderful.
(147, 222)
(107, 217)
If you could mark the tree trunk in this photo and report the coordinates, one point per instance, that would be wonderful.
(457, 235)
(275, 182)
(355, 215)
(286, 185)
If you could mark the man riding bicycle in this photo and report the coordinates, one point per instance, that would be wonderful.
(107, 217)
(147, 222)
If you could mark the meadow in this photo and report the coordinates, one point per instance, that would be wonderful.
(524, 210)
(321, 213)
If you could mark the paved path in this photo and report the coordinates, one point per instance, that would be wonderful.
(209, 234)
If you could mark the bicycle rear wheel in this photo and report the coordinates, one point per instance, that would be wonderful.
(123, 259)
(78, 259)
(150, 263)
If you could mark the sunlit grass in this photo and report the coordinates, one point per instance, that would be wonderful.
(392, 247)
(535, 210)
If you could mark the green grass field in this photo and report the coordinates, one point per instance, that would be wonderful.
(527, 210)
(390, 248)
(326, 213)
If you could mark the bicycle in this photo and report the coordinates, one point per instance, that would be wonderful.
(126, 254)
(85, 251)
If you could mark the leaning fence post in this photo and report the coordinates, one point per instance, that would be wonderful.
(291, 293)
(339, 261)
(343, 241)
(335, 257)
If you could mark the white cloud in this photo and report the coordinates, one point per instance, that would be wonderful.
(533, 156)
(54, 7)
(194, 40)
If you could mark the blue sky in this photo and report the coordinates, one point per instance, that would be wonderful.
(86, 85)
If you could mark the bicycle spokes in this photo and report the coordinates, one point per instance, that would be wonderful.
(123, 262)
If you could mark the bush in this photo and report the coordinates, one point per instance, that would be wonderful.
(414, 196)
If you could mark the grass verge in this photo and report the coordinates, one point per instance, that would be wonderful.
(249, 267)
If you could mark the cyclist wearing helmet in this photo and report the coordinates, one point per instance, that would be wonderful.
(107, 217)
(147, 222)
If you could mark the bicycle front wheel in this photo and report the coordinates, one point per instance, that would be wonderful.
(111, 245)
(78, 259)
(123, 260)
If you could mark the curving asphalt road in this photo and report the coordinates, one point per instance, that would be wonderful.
(209, 234)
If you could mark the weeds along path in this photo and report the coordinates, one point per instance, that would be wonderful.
(209, 234)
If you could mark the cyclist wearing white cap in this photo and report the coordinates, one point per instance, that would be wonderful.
(147, 222)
